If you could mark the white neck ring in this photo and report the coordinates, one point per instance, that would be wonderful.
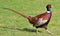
(48, 11)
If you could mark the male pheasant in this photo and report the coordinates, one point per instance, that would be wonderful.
(39, 21)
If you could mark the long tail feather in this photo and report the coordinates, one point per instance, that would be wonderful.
(24, 15)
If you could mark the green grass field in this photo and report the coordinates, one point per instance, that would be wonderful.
(12, 24)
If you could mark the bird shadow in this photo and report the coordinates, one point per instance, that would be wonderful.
(21, 29)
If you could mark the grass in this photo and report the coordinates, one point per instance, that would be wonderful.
(12, 24)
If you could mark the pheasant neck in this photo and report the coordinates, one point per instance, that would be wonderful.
(48, 10)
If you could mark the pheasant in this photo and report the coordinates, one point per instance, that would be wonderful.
(39, 21)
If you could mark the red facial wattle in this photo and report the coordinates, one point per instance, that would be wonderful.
(49, 6)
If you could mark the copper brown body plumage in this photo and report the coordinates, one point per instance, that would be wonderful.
(39, 21)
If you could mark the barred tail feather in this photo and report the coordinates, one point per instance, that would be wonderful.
(24, 15)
